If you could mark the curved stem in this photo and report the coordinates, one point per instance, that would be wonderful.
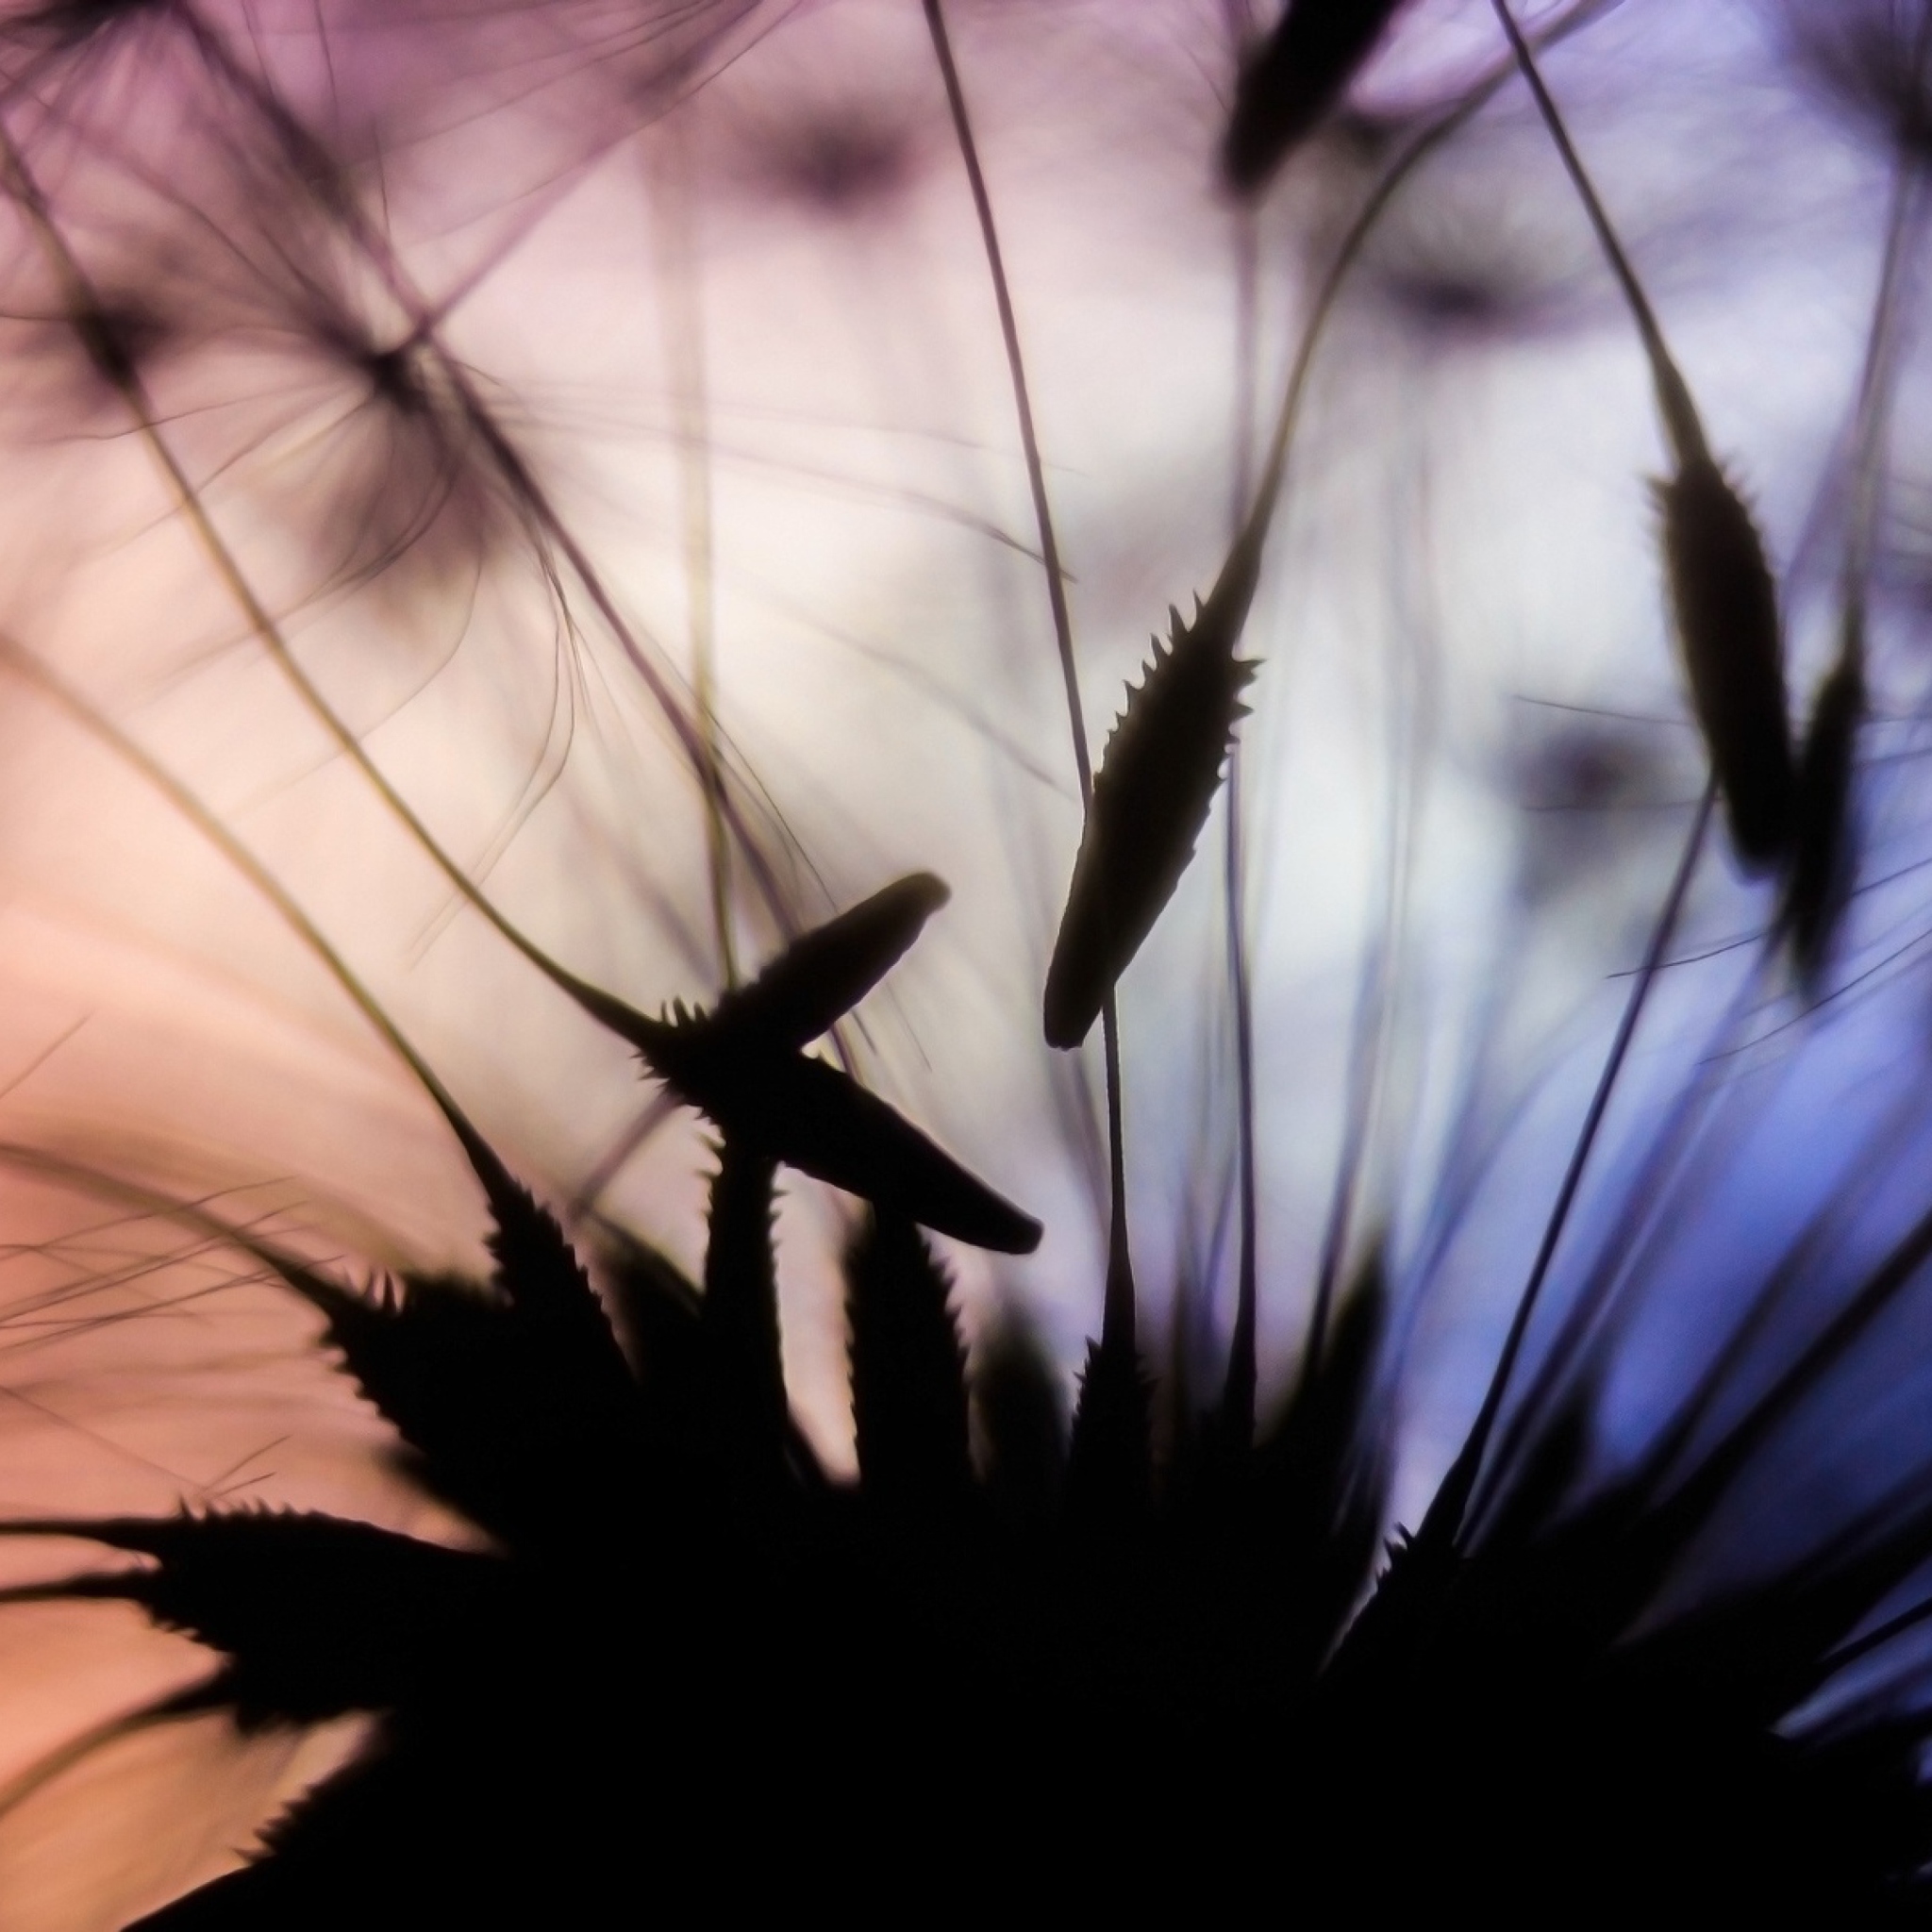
(1673, 396)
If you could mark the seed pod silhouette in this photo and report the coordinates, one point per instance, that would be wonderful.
(510, 1398)
(909, 1371)
(739, 1066)
(824, 973)
(1292, 81)
(738, 1320)
(1723, 599)
(1815, 888)
(1151, 796)
(1725, 610)
(314, 1615)
(813, 1117)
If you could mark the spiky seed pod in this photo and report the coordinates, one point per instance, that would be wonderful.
(909, 1371)
(738, 1068)
(1820, 875)
(738, 1317)
(514, 1399)
(1297, 74)
(811, 1116)
(1726, 608)
(316, 1615)
(826, 973)
(1723, 599)
(1150, 795)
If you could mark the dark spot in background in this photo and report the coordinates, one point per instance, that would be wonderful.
(842, 158)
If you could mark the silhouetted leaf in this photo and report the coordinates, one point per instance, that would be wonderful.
(654, 1306)
(1317, 1488)
(542, 1280)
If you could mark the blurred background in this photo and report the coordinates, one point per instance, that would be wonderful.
(602, 411)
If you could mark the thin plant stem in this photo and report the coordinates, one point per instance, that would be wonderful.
(1672, 1149)
(1452, 120)
(1237, 1397)
(1016, 366)
(1117, 1322)
(1238, 1400)
(1453, 1499)
(316, 168)
(1673, 396)
(1265, 501)
(680, 269)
